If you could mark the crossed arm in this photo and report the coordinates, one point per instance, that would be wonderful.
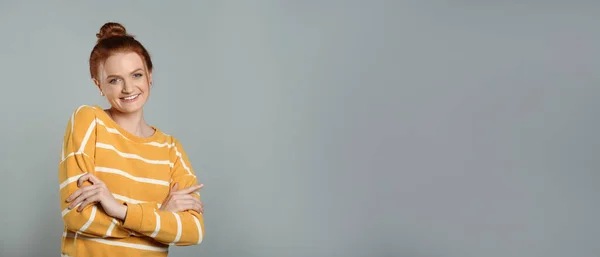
(178, 221)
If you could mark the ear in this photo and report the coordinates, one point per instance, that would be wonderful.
(97, 83)
(150, 78)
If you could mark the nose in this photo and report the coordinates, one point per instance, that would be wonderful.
(127, 87)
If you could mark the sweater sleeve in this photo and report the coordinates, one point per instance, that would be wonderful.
(77, 159)
(173, 228)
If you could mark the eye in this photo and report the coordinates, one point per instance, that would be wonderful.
(138, 75)
(113, 81)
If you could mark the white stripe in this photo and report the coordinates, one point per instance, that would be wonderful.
(63, 157)
(116, 131)
(111, 130)
(157, 225)
(129, 200)
(168, 145)
(87, 136)
(111, 227)
(182, 162)
(73, 154)
(90, 220)
(70, 180)
(64, 212)
(67, 210)
(178, 237)
(64, 255)
(79, 108)
(130, 245)
(73, 118)
(133, 156)
(73, 122)
(199, 229)
(116, 243)
(129, 176)
(126, 199)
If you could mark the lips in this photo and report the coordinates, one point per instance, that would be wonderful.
(130, 98)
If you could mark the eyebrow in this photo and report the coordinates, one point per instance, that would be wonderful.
(114, 75)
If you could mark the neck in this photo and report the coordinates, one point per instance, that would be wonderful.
(134, 123)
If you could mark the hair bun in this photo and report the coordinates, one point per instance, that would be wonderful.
(111, 29)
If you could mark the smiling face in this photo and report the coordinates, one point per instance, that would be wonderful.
(124, 80)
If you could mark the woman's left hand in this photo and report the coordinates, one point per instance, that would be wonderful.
(96, 193)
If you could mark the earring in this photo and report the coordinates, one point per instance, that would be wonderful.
(101, 93)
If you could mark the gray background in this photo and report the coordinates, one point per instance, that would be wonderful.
(322, 128)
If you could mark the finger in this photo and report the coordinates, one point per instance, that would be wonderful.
(184, 205)
(80, 191)
(88, 177)
(74, 195)
(88, 201)
(83, 197)
(190, 189)
(95, 180)
(83, 179)
(183, 197)
(199, 208)
(198, 205)
(166, 201)
(174, 188)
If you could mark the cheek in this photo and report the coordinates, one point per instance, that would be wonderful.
(112, 91)
(141, 83)
(145, 89)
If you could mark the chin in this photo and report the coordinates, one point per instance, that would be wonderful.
(129, 107)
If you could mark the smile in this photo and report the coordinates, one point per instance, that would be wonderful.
(130, 98)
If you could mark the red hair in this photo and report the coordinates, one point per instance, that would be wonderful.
(112, 39)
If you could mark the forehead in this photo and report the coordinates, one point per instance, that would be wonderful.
(122, 63)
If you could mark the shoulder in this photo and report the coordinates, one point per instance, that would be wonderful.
(82, 119)
(166, 138)
(83, 116)
(174, 144)
(84, 113)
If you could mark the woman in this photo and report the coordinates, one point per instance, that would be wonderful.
(127, 188)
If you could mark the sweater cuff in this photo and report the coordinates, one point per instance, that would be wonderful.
(134, 217)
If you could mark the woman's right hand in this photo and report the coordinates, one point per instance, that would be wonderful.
(183, 200)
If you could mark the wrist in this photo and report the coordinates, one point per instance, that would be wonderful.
(121, 212)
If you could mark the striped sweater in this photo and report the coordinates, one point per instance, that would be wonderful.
(139, 173)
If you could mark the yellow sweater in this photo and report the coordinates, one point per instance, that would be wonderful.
(139, 173)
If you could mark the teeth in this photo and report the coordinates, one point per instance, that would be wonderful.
(130, 97)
